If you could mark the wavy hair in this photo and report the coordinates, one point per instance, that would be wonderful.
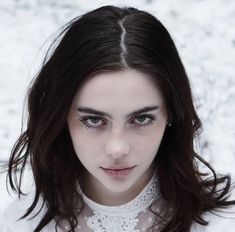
(106, 39)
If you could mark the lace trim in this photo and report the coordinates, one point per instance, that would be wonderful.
(123, 218)
(143, 200)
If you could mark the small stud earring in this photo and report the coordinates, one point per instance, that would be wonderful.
(169, 124)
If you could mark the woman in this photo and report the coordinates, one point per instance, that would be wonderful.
(110, 134)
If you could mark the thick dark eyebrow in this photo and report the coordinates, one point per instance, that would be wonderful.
(103, 114)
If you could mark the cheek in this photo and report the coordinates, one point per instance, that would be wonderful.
(84, 144)
(77, 138)
(148, 144)
(84, 151)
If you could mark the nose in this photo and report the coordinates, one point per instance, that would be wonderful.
(117, 145)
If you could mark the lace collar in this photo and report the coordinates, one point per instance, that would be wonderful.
(141, 202)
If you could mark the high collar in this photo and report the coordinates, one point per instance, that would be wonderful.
(142, 201)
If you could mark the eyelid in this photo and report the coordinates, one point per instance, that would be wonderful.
(87, 117)
(84, 119)
(143, 114)
(152, 116)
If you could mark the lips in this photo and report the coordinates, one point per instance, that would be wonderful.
(118, 172)
(118, 167)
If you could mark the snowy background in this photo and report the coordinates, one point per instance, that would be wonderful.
(204, 33)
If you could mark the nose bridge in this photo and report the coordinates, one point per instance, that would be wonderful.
(117, 144)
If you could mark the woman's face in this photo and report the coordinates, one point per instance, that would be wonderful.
(116, 122)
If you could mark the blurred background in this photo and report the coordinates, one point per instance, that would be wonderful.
(203, 31)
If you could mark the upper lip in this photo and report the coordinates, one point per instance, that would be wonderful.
(119, 167)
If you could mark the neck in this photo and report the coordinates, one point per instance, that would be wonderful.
(104, 196)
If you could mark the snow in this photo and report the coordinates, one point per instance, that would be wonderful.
(203, 31)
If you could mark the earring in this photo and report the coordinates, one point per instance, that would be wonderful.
(169, 124)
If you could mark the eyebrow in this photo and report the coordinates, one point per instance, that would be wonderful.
(100, 113)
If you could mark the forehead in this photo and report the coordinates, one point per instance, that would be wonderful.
(127, 87)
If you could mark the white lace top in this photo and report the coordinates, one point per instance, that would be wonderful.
(133, 216)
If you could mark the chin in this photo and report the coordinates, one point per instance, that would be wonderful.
(118, 186)
(118, 189)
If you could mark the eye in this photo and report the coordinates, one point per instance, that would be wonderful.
(92, 122)
(143, 120)
(95, 122)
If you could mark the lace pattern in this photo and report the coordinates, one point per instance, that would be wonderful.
(123, 217)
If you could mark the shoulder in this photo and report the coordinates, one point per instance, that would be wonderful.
(11, 216)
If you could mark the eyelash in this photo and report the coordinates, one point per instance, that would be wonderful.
(84, 120)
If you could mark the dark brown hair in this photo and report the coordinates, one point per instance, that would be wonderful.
(106, 39)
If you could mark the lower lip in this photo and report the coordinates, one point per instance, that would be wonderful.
(118, 173)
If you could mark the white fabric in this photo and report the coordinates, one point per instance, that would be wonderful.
(131, 216)
(134, 216)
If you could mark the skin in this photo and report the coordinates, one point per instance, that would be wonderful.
(119, 140)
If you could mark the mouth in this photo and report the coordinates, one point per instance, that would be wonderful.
(118, 173)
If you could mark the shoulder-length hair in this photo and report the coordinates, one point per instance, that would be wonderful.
(107, 39)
